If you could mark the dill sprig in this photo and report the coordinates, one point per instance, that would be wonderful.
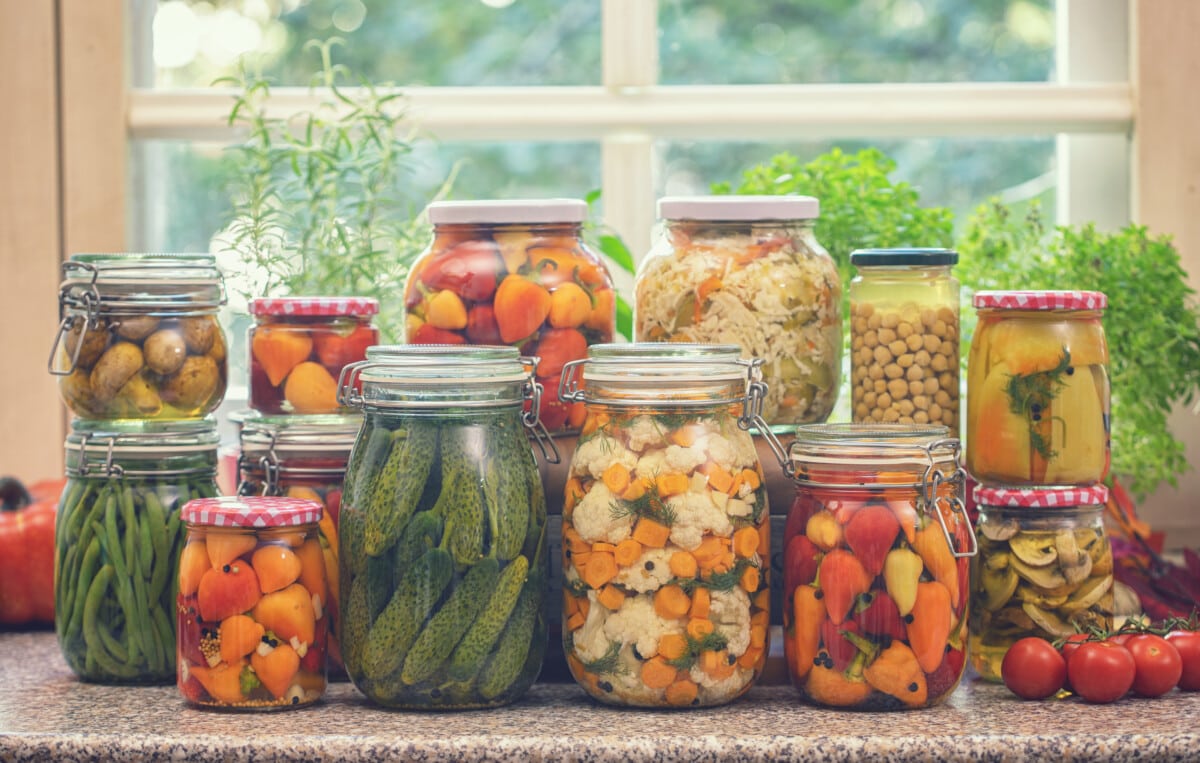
(575, 587)
(1030, 395)
(710, 642)
(609, 663)
(650, 505)
(718, 581)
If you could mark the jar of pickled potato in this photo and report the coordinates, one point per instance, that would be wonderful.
(665, 527)
(747, 270)
(1038, 389)
(515, 273)
(1045, 569)
(139, 337)
(904, 337)
(252, 620)
(876, 566)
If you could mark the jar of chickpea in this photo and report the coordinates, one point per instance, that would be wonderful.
(904, 337)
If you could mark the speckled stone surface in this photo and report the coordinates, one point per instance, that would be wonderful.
(45, 713)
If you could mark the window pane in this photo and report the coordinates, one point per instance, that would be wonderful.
(414, 42)
(811, 41)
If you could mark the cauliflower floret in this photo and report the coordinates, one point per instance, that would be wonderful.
(590, 641)
(599, 453)
(695, 515)
(594, 520)
(651, 464)
(716, 690)
(746, 491)
(649, 573)
(732, 454)
(680, 459)
(643, 432)
(730, 613)
(638, 624)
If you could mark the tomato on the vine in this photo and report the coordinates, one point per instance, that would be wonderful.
(1159, 666)
(1187, 643)
(1101, 671)
(1033, 668)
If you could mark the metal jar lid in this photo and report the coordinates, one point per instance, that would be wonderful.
(141, 448)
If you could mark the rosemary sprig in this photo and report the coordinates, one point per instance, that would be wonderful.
(1030, 395)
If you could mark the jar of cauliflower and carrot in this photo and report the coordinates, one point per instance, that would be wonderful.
(665, 527)
(747, 270)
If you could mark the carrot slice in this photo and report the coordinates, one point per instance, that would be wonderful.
(651, 533)
(683, 564)
(657, 674)
(672, 646)
(701, 602)
(616, 478)
(745, 542)
(671, 483)
(627, 552)
(601, 568)
(611, 597)
(698, 628)
(670, 602)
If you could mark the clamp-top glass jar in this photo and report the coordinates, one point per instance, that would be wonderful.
(139, 337)
(118, 540)
(442, 536)
(875, 566)
(747, 270)
(665, 526)
(1037, 389)
(904, 337)
(1045, 569)
(516, 273)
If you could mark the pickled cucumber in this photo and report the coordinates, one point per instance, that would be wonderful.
(394, 632)
(474, 647)
(423, 533)
(449, 623)
(394, 492)
(515, 643)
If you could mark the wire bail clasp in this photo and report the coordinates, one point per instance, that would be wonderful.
(752, 410)
(931, 484)
(531, 392)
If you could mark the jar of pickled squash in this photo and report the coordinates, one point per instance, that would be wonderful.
(252, 595)
(139, 337)
(442, 534)
(118, 540)
(1045, 569)
(1038, 389)
(904, 336)
(515, 273)
(875, 566)
(747, 270)
(665, 526)
(299, 346)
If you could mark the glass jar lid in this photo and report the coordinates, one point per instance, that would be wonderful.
(1040, 300)
(641, 373)
(141, 447)
(1041, 497)
(855, 454)
(738, 208)
(896, 258)
(142, 283)
(252, 512)
(314, 306)
(507, 212)
(289, 436)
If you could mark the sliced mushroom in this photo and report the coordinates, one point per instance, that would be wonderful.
(1035, 550)
(1074, 562)
(996, 530)
(1034, 596)
(1125, 601)
(1089, 618)
(1042, 577)
(1047, 621)
(1014, 616)
(1090, 593)
(998, 587)
(1085, 538)
(996, 561)
(1101, 555)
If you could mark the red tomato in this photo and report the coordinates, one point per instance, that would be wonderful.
(1033, 668)
(482, 327)
(1187, 643)
(1101, 671)
(1068, 648)
(1159, 666)
(336, 350)
(470, 269)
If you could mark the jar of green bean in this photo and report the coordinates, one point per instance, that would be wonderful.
(117, 543)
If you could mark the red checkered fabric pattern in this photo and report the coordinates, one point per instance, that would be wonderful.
(314, 306)
(1041, 300)
(251, 512)
(1041, 497)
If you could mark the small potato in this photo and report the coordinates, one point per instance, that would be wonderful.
(219, 351)
(165, 351)
(94, 342)
(137, 399)
(135, 328)
(76, 389)
(193, 385)
(199, 333)
(116, 366)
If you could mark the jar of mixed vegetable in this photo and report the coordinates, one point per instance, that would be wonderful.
(118, 541)
(515, 273)
(299, 346)
(1045, 568)
(665, 526)
(875, 566)
(747, 270)
(904, 337)
(139, 337)
(1038, 389)
(302, 457)
(442, 534)
(252, 593)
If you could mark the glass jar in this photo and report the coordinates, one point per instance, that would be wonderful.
(139, 337)
(666, 532)
(118, 539)
(442, 536)
(302, 457)
(1037, 389)
(298, 347)
(875, 566)
(515, 273)
(747, 270)
(904, 337)
(1045, 569)
(252, 593)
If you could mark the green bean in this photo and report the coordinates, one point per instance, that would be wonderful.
(111, 546)
(156, 521)
(113, 646)
(165, 631)
(128, 529)
(91, 634)
(81, 583)
(64, 573)
(145, 548)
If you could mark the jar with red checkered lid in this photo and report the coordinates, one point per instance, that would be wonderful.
(1038, 389)
(252, 619)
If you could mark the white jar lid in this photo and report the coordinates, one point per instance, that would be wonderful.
(508, 212)
(738, 208)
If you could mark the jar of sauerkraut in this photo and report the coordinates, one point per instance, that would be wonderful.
(747, 270)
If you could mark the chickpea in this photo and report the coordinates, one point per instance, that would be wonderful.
(891, 415)
(877, 414)
(920, 417)
(905, 360)
(883, 355)
(886, 336)
(873, 321)
(869, 398)
(932, 343)
(866, 355)
(871, 339)
(890, 321)
(857, 375)
(931, 386)
(906, 420)
(859, 325)
(914, 342)
(884, 401)
(866, 309)
(935, 412)
(906, 407)
(939, 363)
(947, 381)
(948, 418)
(858, 394)
(861, 411)
(875, 371)
(914, 373)
(947, 315)
(946, 348)
(942, 398)
(922, 358)
(893, 371)
(898, 347)
(880, 386)
(939, 328)
(928, 316)
(921, 402)
(897, 388)
(916, 388)
(904, 330)
(857, 342)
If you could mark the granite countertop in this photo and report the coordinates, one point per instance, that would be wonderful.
(45, 712)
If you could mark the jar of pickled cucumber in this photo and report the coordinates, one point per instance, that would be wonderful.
(139, 337)
(1038, 389)
(442, 534)
(666, 533)
(904, 337)
(515, 273)
(747, 270)
(1045, 569)
(118, 541)
(876, 566)
(252, 594)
